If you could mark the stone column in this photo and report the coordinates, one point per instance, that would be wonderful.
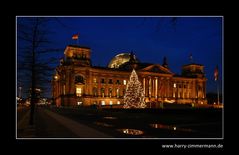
(150, 87)
(144, 85)
(156, 87)
(153, 84)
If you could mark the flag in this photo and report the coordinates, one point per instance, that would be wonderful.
(216, 73)
(75, 36)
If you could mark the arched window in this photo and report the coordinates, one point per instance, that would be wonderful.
(79, 80)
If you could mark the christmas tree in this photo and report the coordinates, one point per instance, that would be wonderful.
(134, 95)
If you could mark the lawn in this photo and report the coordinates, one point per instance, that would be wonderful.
(154, 123)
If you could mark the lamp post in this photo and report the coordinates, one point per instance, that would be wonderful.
(20, 92)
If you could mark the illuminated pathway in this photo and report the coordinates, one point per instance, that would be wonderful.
(72, 128)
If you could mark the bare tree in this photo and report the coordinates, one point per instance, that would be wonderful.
(34, 66)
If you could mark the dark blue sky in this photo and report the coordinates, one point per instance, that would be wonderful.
(150, 38)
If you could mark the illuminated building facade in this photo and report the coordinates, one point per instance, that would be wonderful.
(77, 82)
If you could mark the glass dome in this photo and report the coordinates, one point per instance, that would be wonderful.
(119, 60)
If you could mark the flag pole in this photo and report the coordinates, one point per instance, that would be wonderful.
(218, 92)
(217, 82)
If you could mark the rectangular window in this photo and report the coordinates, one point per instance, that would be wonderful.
(111, 102)
(102, 80)
(110, 92)
(102, 92)
(117, 92)
(124, 82)
(94, 80)
(174, 85)
(102, 102)
(78, 91)
(95, 91)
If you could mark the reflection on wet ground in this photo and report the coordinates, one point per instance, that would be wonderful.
(170, 127)
(131, 131)
(109, 117)
(103, 124)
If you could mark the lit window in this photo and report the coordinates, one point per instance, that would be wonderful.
(117, 92)
(111, 102)
(78, 91)
(124, 82)
(118, 102)
(102, 102)
(174, 85)
(94, 80)
(79, 103)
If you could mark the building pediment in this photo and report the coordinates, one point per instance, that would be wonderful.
(157, 69)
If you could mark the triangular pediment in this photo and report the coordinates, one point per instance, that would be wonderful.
(157, 69)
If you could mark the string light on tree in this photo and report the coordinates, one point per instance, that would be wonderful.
(134, 95)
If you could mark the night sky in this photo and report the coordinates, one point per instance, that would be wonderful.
(150, 38)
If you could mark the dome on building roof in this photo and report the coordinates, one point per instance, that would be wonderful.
(120, 59)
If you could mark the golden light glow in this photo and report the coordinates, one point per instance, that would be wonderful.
(78, 91)
(119, 60)
(124, 82)
(134, 95)
(131, 131)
